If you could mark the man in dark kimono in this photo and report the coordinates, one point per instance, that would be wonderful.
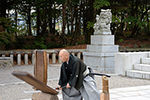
(72, 76)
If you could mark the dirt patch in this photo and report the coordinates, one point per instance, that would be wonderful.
(134, 43)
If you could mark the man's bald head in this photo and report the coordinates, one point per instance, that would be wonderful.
(64, 55)
(64, 51)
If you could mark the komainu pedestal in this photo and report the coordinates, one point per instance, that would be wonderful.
(100, 55)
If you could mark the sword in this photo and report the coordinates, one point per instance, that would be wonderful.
(57, 88)
(98, 74)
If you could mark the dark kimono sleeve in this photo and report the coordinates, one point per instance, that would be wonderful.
(75, 73)
(63, 78)
(60, 77)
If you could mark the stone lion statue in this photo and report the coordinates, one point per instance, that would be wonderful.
(102, 25)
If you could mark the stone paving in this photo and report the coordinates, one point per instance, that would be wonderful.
(130, 93)
(121, 88)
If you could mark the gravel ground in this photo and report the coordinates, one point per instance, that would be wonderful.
(12, 88)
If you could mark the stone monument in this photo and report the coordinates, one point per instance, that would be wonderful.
(100, 55)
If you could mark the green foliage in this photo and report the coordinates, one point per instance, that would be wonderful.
(30, 43)
(53, 45)
(19, 43)
(135, 46)
(128, 19)
(121, 40)
(60, 1)
(115, 19)
(135, 21)
(144, 46)
(127, 34)
(100, 3)
(81, 42)
(7, 30)
(39, 44)
(90, 24)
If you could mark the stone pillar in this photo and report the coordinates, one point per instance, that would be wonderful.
(26, 59)
(3, 55)
(19, 59)
(47, 58)
(12, 58)
(73, 53)
(54, 57)
(33, 59)
(79, 55)
(100, 54)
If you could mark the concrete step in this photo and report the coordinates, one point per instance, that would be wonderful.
(142, 67)
(138, 74)
(145, 60)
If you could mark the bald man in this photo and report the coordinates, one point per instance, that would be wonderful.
(72, 76)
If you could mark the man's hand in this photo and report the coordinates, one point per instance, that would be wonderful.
(68, 86)
(60, 87)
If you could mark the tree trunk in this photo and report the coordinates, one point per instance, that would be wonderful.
(54, 23)
(76, 23)
(84, 22)
(16, 21)
(64, 23)
(38, 21)
(68, 29)
(50, 18)
(79, 18)
(134, 13)
(29, 20)
(3, 8)
(72, 18)
(54, 14)
(90, 18)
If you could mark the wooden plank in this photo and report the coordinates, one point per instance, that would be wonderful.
(40, 68)
(28, 78)
(44, 96)
(45, 67)
(35, 62)
(35, 66)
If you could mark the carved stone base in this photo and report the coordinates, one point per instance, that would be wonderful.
(44, 96)
(100, 54)
(103, 62)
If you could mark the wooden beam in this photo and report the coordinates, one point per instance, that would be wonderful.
(44, 96)
(34, 82)
(40, 68)
(45, 67)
